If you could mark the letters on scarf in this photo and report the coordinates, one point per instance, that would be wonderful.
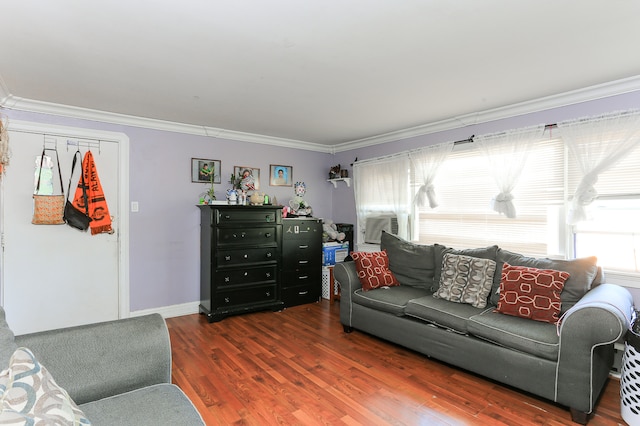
(98, 209)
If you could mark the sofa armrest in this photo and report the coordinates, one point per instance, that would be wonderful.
(587, 333)
(345, 273)
(100, 360)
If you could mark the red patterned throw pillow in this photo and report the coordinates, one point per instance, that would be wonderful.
(531, 293)
(373, 269)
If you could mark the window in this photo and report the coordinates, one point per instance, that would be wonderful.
(464, 188)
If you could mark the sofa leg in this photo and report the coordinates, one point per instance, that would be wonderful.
(347, 328)
(579, 416)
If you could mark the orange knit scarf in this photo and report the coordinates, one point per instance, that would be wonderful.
(98, 209)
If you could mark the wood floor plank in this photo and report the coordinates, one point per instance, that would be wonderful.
(298, 367)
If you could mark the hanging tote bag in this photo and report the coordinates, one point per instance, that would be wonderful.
(74, 217)
(48, 209)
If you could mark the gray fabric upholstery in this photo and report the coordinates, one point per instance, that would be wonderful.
(570, 370)
(453, 316)
(490, 252)
(412, 264)
(392, 299)
(7, 341)
(100, 360)
(534, 337)
(162, 404)
(582, 274)
(119, 372)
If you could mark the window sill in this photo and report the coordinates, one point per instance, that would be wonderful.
(625, 279)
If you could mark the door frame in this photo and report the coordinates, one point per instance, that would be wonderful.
(123, 197)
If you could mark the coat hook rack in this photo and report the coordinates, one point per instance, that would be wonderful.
(83, 143)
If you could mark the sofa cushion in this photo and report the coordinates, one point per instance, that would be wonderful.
(449, 315)
(531, 293)
(389, 299)
(466, 279)
(582, 273)
(30, 395)
(7, 341)
(440, 250)
(412, 264)
(373, 270)
(162, 404)
(533, 337)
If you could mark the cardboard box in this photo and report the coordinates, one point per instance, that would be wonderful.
(333, 253)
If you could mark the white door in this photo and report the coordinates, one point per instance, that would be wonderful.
(54, 275)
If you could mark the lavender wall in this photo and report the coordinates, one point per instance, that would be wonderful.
(343, 199)
(164, 234)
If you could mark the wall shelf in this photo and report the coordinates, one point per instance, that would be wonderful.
(335, 181)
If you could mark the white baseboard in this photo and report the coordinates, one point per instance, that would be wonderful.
(170, 311)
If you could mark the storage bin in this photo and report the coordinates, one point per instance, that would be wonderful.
(630, 375)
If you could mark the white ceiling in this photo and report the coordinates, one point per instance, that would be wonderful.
(324, 72)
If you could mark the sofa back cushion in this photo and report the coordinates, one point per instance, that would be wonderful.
(412, 264)
(582, 273)
(482, 253)
(7, 341)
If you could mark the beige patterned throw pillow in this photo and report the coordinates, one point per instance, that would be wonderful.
(29, 395)
(466, 279)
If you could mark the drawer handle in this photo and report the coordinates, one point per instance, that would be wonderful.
(268, 294)
(302, 293)
(303, 247)
(304, 277)
(267, 235)
(227, 258)
(227, 279)
(226, 300)
(269, 254)
(303, 262)
(246, 274)
(267, 218)
(268, 275)
(243, 235)
(226, 216)
(246, 256)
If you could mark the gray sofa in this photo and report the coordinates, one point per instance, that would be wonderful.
(567, 363)
(117, 372)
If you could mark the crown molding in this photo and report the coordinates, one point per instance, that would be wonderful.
(600, 91)
(9, 101)
(591, 93)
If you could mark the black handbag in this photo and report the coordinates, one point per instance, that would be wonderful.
(74, 217)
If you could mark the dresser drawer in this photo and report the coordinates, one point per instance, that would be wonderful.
(302, 276)
(251, 295)
(302, 229)
(239, 276)
(246, 256)
(299, 295)
(262, 235)
(301, 256)
(227, 216)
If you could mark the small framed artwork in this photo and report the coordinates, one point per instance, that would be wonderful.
(280, 175)
(249, 177)
(202, 170)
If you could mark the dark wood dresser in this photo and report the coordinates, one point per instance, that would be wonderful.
(301, 261)
(240, 259)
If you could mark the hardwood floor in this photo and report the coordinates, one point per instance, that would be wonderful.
(298, 367)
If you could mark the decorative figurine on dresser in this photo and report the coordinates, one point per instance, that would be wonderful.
(240, 259)
(301, 261)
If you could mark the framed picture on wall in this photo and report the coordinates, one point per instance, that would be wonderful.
(280, 175)
(249, 177)
(202, 170)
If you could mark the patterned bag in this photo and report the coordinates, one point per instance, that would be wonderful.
(48, 209)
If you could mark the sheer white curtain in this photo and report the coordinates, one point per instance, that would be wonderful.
(382, 186)
(596, 144)
(426, 162)
(507, 154)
